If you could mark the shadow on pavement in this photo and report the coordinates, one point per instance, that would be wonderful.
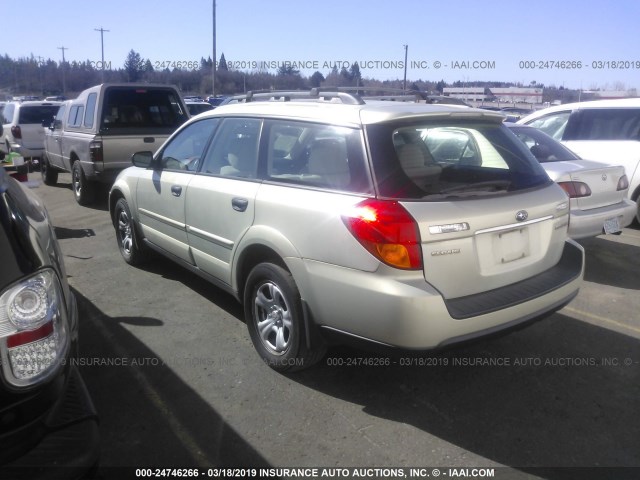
(572, 400)
(149, 417)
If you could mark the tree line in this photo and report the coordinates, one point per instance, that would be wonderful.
(37, 76)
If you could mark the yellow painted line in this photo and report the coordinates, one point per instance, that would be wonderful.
(607, 320)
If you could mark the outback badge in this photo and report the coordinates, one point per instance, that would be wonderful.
(522, 215)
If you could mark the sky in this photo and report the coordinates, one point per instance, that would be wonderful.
(568, 43)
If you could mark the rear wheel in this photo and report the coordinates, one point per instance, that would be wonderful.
(83, 190)
(273, 312)
(49, 175)
(131, 249)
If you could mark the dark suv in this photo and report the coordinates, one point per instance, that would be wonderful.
(48, 426)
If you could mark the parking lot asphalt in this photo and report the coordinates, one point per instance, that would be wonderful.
(175, 379)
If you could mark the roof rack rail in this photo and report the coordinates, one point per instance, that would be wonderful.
(288, 95)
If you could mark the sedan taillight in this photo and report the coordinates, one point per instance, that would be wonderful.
(575, 189)
(623, 183)
(33, 329)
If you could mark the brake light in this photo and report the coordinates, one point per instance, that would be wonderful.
(575, 189)
(95, 151)
(623, 183)
(387, 231)
(16, 131)
(34, 326)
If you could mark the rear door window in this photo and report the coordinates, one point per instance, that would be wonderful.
(605, 124)
(448, 160)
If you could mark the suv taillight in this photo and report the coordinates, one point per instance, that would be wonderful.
(95, 151)
(16, 131)
(575, 189)
(33, 329)
(387, 231)
(623, 183)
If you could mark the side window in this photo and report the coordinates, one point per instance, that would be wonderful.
(316, 155)
(7, 113)
(57, 122)
(553, 124)
(186, 148)
(234, 151)
(606, 124)
(75, 115)
(91, 110)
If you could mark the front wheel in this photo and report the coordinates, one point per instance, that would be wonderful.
(83, 190)
(273, 312)
(133, 252)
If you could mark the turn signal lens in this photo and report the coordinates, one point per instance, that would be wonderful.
(387, 231)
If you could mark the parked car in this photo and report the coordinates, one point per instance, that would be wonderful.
(607, 131)
(94, 136)
(22, 128)
(331, 217)
(597, 191)
(47, 416)
(196, 108)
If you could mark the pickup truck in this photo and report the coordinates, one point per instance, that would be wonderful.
(94, 136)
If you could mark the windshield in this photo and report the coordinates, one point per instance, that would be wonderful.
(542, 146)
(450, 159)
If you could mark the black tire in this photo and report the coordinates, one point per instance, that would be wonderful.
(49, 175)
(272, 301)
(131, 248)
(83, 190)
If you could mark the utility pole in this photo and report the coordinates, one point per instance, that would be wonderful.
(213, 63)
(102, 30)
(406, 51)
(64, 83)
(40, 63)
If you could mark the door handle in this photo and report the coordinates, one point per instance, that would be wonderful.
(239, 204)
(176, 190)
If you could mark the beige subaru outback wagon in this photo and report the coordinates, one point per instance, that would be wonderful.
(398, 224)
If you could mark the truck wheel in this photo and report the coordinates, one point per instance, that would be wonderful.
(273, 312)
(49, 175)
(83, 190)
(132, 250)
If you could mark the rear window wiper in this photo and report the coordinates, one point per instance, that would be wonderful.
(486, 186)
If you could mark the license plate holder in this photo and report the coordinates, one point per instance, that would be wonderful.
(511, 245)
(612, 225)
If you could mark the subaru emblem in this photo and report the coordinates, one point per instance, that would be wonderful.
(522, 215)
(604, 177)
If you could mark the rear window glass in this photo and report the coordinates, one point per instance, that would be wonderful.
(448, 160)
(142, 109)
(36, 114)
(605, 124)
(542, 146)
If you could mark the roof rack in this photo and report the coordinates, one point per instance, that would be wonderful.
(347, 95)
(288, 95)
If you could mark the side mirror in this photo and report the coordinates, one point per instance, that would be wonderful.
(142, 159)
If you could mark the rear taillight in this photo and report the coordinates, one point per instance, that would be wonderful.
(16, 131)
(623, 183)
(575, 189)
(387, 231)
(33, 329)
(95, 151)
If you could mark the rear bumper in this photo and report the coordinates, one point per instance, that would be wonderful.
(406, 312)
(70, 446)
(589, 223)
